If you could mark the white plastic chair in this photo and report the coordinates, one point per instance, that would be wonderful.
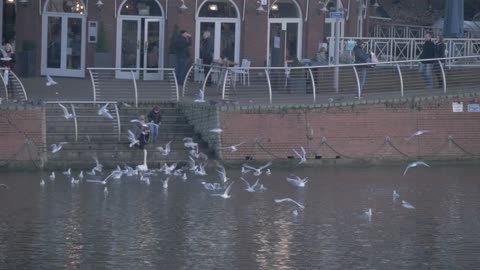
(243, 71)
(198, 71)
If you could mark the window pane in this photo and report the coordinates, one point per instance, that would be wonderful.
(141, 8)
(54, 42)
(67, 6)
(74, 45)
(218, 9)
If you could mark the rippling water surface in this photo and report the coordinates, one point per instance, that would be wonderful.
(146, 227)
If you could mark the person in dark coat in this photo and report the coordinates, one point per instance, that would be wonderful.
(438, 65)
(361, 57)
(428, 52)
(182, 43)
(155, 117)
(206, 53)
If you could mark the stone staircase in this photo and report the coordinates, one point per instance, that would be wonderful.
(99, 136)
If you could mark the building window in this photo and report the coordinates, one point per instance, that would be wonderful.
(66, 6)
(141, 8)
(284, 9)
(216, 9)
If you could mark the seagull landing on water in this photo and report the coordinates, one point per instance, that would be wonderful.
(103, 111)
(50, 81)
(165, 151)
(225, 195)
(132, 139)
(68, 172)
(418, 133)
(57, 147)
(104, 182)
(42, 183)
(407, 205)
(250, 188)
(66, 114)
(290, 200)
(297, 181)
(201, 96)
(415, 164)
(52, 176)
(232, 148)
(257, 172)
(301, 155)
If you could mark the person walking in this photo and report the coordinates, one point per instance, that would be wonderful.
(155, 117)
(439, 53)
(182, 43)
(206, 53)
(428, 52)
(361, 57)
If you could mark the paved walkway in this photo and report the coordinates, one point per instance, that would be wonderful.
(75, 89)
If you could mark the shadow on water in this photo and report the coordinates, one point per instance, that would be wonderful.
(139, 226)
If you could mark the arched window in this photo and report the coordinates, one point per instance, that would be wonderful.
(141, 8)
(66, 6)
(284, 9)
(218, 9)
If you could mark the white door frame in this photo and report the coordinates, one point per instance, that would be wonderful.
(158, 75)
(217, 35)
(284, 22)
(62, 71)
(127, 74)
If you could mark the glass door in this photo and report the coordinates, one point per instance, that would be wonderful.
(128, 53)
(285, 42)
(227, 41)
(54, 42)
(225, 36)
(74, 44)
(152, 49)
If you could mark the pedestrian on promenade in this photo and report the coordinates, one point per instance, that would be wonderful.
(183, 43)
(361, 57)
(428, 52)
(439, 53)
(141, 131)
(206, 53)
(155, 117)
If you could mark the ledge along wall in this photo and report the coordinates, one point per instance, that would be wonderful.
(22, 136)
(373, 131)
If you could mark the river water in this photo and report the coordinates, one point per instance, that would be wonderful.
(139, 226)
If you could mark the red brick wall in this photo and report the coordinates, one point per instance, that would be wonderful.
(18, 126)
(357, 131)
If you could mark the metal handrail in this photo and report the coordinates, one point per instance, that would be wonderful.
(75, 121)
(135, 87)
(94, 88)
(118, 120)
(5, 87)
(22, 88)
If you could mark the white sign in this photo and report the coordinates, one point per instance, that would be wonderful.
(473, 107)
(276, 42)
(457, 106)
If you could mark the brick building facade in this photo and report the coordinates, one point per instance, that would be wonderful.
(138, 33)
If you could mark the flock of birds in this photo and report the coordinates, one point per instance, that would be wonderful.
(196, 165)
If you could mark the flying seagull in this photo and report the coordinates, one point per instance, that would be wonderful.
(50, 81)
(132, 139)
(232, 148)
(290, 200)
(407, 205)
(250, 188)
(66, 114)
(225, 195)
(418, 133)
(257, 172)
(57, 147)
(103, 111)
(415, 164)
(165, 151)
(301, 155)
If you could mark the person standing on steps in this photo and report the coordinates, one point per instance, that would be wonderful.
(183, 43)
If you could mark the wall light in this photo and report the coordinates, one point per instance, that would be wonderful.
(213, 7)
(99, 4)
(275, 7)
(10, 1)
(376, 4)
(260, 8)
(183, 6)
(23, 2)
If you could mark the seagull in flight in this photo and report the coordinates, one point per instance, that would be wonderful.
(201, 96)
(369, 213)
(211, 186)
(165, 151)
(57, 147)
(66, 114)
(297, 181)
(50, 81)
(395, 195)
(232, 148)
(98, 167)
(222, 173)
(257, 172)
(301, 155)
(415, 164)
(290, 200)
(132, 139)
(250, 188)
(407, 205)
(216, 130)
(104, 111)
(418, 133)
(104, 182)
(139, 122)
(225, 195)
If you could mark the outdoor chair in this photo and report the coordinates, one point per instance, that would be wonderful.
(243, 72)
(198, 71)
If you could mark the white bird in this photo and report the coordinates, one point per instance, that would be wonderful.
(165, 183)
(201, 96)
(225, 195)
(143, 167)
(232, 148)
(268, 172)
(52, 176)
(257, 172)
(301, 155)
(105, 191)
(250, 188)
(103, 111)
(407, 205)
(98, 166)
(290, 200)
(244, 171)
(216, 130)
(42, 183)
(415, 164)
(418, 133)
(262, 188)
(184, 176)
(165, 151)
(139, 122)
(75, 181)
(68, 172)
(395, 195)
(5, 77)
(211, 186)
(132, 139)
(66, 114)
(222, 173)
(297, 181)
(117, 173)
(369, 212)
(104, 182)
(80, 175)
(57, 147)
(92, 172)
(200, 170)
(295, 212)
(50, 81)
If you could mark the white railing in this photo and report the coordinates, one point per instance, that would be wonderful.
(87, 120)
(12, 86)
(397, 49)
(408, 31)
(134, 84)
(316, 84)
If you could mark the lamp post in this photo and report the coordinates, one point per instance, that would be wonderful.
(337, 49)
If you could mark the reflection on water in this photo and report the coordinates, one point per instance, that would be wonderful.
(137, 226)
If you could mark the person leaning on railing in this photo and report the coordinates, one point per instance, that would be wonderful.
(439, 53)
(428, 52)
(361, 57)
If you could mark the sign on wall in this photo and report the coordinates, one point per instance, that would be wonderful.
(457, 106)
(92, 31)
(473, 107)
